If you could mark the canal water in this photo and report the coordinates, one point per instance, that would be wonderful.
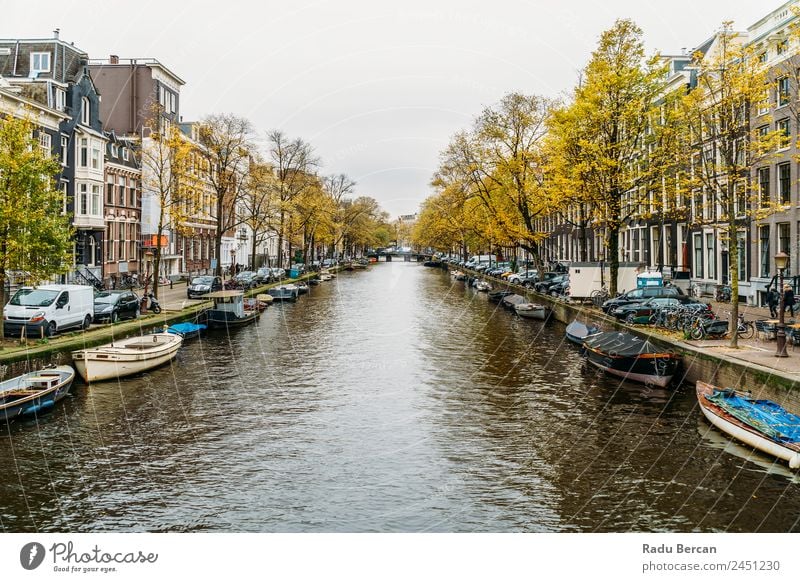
(387, 400)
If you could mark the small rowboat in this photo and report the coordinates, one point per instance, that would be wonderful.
(34, 392)
(126, 357)
(531, 310)
(187, 329)
(631, 357)
(762, 424)
(578, 331)
(483, 286)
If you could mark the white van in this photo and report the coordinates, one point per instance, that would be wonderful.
(47, 309)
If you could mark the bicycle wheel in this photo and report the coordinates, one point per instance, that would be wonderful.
(747, 330)
(697, 332)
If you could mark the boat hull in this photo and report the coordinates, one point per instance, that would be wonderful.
(631, 358)
(112, 362)
(226, 320)
(22, 401)
(577, 332)
(789, 452)
(538, 312)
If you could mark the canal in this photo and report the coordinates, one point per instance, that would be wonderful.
(387, 400)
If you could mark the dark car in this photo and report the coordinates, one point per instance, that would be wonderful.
(641, 312)
(246, 280)
(203, 285)
(545, 285)
(115, 305)
(639, 295)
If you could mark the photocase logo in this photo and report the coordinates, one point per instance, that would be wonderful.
(31, 555)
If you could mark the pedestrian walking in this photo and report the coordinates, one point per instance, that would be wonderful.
(772, 301)
(788, 299)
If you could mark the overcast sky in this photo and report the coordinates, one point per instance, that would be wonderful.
(377, 87)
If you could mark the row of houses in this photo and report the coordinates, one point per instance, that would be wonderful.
(688, 244)
(95, 116)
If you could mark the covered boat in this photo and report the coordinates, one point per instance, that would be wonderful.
(531, 310)
(578, 331)
(631, 357)
(126, 357)
(762, 424)
(229, 311)
(34, 392)
(498, 296)
(187, 329)
(286, 292)
(511, 301)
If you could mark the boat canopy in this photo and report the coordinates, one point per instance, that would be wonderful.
(232, 301)
(617, 343)
(765, 416)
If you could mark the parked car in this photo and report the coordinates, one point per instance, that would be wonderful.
(115, 305)
(641, 312)
(545, 285)
(263, 275)
(245, 280)
(559, 288)
(203, 285)
(523, 276)
(278, 273)
(49, 309)
(640, 294)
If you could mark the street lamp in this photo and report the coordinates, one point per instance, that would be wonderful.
(781, 262)
(233, 261)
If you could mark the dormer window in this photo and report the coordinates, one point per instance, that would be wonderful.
(125, 154)
(85, 117)
(114, 150)
(61, 99)
(40, 63)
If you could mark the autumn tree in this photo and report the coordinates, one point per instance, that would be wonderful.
(620, 88)
(169, 184)
(260, 205)
(225, 143)
(294, 164)
(732, 87)
(35, 234)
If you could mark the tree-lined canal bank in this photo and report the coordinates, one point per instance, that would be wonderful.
(386, 400)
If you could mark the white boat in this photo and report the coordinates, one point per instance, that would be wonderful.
(531, 310)
(483, 286)
(34, 392)
(325, 276)
(286, 292)
(459, 275)
(126, 357)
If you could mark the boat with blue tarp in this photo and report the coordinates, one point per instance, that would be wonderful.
(187, 329)
(763, 424)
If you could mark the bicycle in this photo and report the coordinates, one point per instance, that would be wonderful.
(599, 296)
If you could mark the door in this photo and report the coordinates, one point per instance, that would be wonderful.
(64, 313)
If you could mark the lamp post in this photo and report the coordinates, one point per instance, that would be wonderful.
(233, 262)
(781, 262)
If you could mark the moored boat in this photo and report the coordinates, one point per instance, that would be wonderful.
(511, 301)
(187, 329)
(324, 276)
(531, 310)
(302, 288)
(483, 286)
(229, 311)
(762, 424)
(286, 292)
(265, 298)
(578, 331)
(631, 357)
(459, 275)
(34, 392)
(498, 296)
(126, 357)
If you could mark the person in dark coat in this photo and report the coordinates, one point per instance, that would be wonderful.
(788, 299)
(772, 301)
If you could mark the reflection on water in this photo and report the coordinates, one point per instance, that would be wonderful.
(387, 400)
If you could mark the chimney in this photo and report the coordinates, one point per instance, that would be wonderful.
(113, 60)
(55, 33)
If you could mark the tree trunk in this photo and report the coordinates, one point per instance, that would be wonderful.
(733, 263)
(613, 258)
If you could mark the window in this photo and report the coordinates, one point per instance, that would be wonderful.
(83, 199)
(134, 186)
(83, 156)
(95, 156)
(783, 237)
(763, 102)
(698, 256)
(742, 237)
(762, 58)
(45, 142)
(710, 253)
(85, 111)
(782, 47)
(64, 198)
(110, 190)
(783, 91)
(784, 183)
(61, 99)
(763, 186)
(121, 184)
(96, 205)
(40, 63)
(782, 127)
(64, 149)
(125, 154)
(114, 150)
(122, 241)
(110, 242)
(763, 235)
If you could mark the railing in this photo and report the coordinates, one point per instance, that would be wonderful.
(89, 278)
